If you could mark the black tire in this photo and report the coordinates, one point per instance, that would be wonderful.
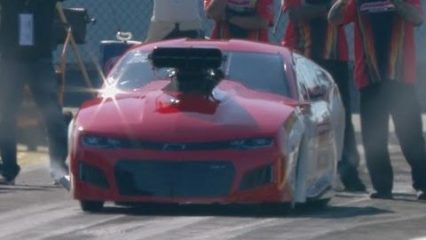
(91, 206)
(312, 205)
(317, 203)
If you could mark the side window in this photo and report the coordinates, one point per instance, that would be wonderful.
(135, 71)
(305, 77)
(324, 78)
(313, 81)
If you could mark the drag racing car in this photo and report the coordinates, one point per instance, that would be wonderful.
(208, 122)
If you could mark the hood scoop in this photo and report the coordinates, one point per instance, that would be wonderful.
(196, 71)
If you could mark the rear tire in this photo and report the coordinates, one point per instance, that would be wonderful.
(91, 206)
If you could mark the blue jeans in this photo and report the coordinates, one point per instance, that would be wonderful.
(40, 77)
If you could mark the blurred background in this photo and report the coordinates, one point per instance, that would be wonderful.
(134, 16)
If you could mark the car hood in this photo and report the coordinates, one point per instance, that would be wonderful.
(157, 115)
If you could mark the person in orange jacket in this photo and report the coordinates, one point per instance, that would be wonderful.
(385, 73)
(309, 33)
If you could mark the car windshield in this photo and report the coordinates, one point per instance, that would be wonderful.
(268, 75)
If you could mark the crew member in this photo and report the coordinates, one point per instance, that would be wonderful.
(175, 19)
(385, 72)
(26, 45)
(243, 19)
(309, 33)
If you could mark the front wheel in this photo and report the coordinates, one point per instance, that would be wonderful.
(314, 204)
(319, 203)
(91, 206)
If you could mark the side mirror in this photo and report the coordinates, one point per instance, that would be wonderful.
(305, 107)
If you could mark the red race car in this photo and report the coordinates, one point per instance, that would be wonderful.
(200, 121)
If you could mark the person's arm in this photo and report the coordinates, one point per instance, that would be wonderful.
(336, 15)
(263, 18)
(409, 11)
(215, 9)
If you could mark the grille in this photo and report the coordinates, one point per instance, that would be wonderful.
(174, 179)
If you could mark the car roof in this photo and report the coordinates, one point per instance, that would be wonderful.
(225, 45)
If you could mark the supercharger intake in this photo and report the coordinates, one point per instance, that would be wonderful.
(195, 70)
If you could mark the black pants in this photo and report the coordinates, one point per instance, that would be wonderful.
(40, 77)
(350, 158)
(378, 102)
(178, 33)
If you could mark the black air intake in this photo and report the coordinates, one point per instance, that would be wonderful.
(197, 70)
(174, 178)
(257, 177)
(92, 175)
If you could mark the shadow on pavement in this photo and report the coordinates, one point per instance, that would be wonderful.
(341, 212)
(248, 211)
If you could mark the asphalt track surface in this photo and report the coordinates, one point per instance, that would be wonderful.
(34, 209)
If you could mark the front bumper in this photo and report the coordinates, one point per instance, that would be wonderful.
(254, 176)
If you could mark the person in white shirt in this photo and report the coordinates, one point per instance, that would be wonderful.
(174, 19)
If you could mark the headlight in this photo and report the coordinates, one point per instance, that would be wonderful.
(103, 142)
(251, 143)
(291, 133)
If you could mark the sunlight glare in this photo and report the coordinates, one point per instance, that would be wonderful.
(109, 91)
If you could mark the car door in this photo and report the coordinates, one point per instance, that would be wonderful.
(319, 154)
